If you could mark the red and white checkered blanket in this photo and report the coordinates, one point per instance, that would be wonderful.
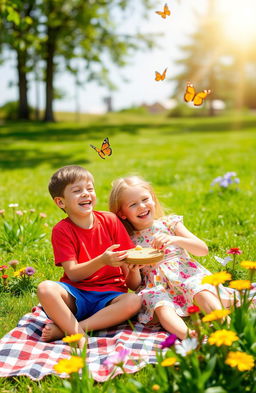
(21, 352)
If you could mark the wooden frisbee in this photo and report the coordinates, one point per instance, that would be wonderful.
(144, 256)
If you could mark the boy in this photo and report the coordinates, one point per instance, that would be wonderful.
(92, 294)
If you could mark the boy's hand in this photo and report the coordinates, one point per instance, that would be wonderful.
(133, 268)
(113, 258)
(161, 240)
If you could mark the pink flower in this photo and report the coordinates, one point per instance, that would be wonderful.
(117, 359)
(42, 215)
(13, 262)
(180, 300)
(19, 213)
(234, 251)
(2, 211)
(32, 210)
(192, 264)
(169, 341)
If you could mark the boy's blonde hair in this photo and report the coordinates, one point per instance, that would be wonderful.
(121, 184)
(67, 175)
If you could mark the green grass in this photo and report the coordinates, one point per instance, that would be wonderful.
(179, 156)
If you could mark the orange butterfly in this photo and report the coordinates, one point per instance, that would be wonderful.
(160, 77)
(165, 12)
(191, 95)
(105, 149)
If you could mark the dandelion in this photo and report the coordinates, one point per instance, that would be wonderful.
(193, 309)
(69, 366)
(240, 284)
(217, 278)
(29, 271)
(169, 341)
(241, 360)
(222, 337)
(250, 265)
(117, 359)
(168, 362)
(72, 338)
(186, 346)
(215, 315)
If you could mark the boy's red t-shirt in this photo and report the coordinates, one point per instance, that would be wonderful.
(72, 243)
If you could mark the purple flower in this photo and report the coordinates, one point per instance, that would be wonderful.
(169, 341)
(117, 359)
(30, 271)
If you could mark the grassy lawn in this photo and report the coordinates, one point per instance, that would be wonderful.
(180, 157)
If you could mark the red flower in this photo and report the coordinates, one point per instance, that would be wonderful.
(193, 309)
(5, 276)
(234, 251)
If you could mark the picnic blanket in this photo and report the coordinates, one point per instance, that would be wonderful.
(22, 352)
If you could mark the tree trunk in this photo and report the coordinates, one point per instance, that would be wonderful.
(23, 85)
(50, 51)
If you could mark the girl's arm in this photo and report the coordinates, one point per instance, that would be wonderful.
(132, 276)
(183, 238)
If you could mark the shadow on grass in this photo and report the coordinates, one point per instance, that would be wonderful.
(30, 158)
(41, 132)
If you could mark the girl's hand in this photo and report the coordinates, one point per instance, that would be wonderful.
(161, 240)
(113, 258)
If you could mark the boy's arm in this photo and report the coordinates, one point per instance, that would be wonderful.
(79, 271)
(132, 276)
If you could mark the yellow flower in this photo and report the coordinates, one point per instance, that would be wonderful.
(217, 278)
(215, 315)
(222, 337)
(240, 284)
(168, 362)
(155, 387)
(241, 360)
(69, 366)
(73, 338)
(248, 265)
(19, 272)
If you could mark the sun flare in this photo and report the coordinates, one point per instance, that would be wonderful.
(240, 20)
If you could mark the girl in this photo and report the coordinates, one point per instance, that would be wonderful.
(171, 286)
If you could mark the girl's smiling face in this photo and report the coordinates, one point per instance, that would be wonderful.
(137, 207)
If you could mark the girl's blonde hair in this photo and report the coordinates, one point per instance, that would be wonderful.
(121, 184)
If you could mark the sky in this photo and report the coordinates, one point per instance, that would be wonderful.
(140, 72)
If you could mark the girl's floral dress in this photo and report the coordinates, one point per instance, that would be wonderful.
(174, 281)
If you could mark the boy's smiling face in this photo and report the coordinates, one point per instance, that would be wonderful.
(78, 200)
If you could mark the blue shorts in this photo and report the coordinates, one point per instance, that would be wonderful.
(89, 302)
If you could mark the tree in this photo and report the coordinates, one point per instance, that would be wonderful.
(79, 29)
(18, 34)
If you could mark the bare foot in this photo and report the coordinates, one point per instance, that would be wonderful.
(51, 332)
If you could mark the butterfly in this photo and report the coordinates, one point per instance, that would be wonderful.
(223, 261)
(165, 12)
(105, 149)
(191, 95)
(160, 77)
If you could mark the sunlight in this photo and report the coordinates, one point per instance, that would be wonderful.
(240, 20)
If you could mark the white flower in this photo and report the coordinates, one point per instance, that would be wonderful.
(223, 261)
(13, 205)
(186, 346)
